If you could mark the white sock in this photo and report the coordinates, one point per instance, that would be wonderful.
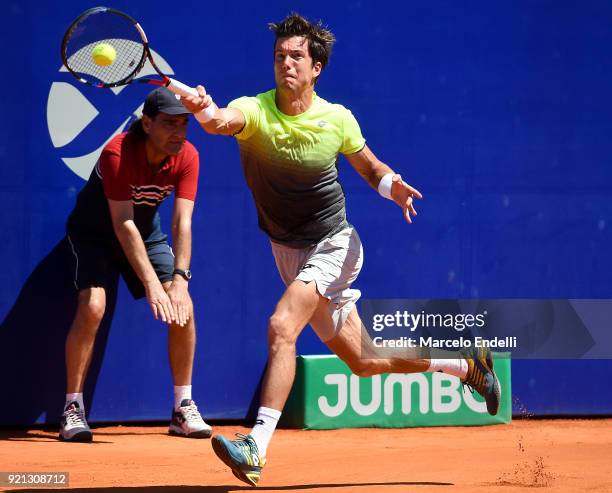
(265, 425)
(456, 367)
(75, 397)
(181, 392)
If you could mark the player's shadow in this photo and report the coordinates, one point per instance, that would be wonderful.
(32, 338)
(367, 486)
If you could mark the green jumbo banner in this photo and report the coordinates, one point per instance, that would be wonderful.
(327, 395)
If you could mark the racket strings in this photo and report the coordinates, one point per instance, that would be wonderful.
(129, 55)
(102, 25)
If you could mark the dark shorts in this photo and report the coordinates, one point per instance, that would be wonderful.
(98, 264)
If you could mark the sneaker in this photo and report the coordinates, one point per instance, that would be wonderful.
(187, 422)
(241, 456)
(481, 377)
(73, 425)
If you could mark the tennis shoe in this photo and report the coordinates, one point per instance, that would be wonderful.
(187, 422)
(73, 425)
(481, 377)
(241, 455)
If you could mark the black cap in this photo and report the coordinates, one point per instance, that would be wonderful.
(162, 100)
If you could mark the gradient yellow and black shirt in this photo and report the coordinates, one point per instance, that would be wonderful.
(289, 163)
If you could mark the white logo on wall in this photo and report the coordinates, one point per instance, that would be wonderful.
(70, 112)
(444, 396)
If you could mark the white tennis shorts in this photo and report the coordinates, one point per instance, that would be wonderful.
(333, 264)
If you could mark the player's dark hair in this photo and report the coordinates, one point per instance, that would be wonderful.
(320, 39)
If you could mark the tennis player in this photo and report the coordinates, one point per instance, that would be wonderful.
(289, 139)
(115, 230)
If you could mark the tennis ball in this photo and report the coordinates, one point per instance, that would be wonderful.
(103, 54)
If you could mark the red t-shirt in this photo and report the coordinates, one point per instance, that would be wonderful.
(127, 175)
(123, 173)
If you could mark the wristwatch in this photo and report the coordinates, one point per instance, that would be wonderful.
(186, 274)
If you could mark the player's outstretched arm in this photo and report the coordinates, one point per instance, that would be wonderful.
(224, 121)
(382, 178)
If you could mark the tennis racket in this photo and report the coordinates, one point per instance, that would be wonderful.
(106, 26)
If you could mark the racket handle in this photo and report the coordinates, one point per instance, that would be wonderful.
(184, 90)
(181, 89)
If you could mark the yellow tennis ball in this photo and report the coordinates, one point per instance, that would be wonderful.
(103, 54)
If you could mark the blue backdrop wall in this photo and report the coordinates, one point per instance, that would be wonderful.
(499, 112)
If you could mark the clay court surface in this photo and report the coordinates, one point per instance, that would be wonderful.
(550, 455)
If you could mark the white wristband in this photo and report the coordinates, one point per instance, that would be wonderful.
(384, 187)
(206, 114)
